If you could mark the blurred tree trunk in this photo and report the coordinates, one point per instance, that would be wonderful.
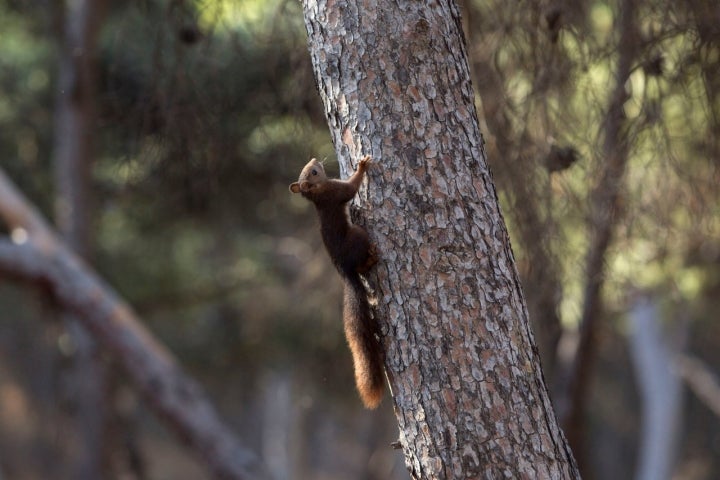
(469, 393)
(605, 213)
(75, 122)
(660, 389)
(73, 154)
(280, 419)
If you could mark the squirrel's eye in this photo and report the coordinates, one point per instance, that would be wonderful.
(314, 172)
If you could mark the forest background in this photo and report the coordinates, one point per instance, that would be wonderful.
(204, 111)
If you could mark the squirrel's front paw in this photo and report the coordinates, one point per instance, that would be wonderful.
(365, 162)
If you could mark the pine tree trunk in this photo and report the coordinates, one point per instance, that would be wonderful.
(469, 394)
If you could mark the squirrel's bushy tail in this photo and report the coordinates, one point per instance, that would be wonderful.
(360, 330)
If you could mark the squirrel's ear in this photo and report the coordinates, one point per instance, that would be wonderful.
(295, 187)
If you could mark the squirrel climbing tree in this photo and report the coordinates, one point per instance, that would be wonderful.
(352, 253)
(468, 390)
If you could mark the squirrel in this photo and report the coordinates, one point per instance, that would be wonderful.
(353, 254)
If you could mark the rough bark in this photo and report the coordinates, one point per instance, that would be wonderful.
(519, 181)
(85, 377)
(469, 394)
(36, 254)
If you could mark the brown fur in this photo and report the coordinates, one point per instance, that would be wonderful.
(352, 253)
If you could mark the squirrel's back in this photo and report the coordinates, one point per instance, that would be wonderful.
(352, 253)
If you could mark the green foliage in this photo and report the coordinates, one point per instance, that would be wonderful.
(206, 112)
(558, 92)
(25, 100)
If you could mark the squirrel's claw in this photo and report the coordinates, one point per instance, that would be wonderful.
(365, 162)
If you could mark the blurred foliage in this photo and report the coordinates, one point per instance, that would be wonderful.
(205, 117)
(555, 64)
(556, 61)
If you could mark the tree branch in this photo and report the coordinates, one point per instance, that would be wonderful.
(173, 396)
(700, 379)
(18, 213)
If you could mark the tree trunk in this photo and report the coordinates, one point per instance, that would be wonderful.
(75, 120)
(469, 394)
(660, 390)
(574, 382)
(519, 180)
(73, 157)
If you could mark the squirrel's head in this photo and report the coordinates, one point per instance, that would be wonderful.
(312, 174)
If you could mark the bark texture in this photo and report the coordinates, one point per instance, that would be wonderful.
(521, 185)
(469, 394)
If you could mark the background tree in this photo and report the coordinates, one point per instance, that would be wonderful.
(604, 214)
(85, 383)
(555, 64)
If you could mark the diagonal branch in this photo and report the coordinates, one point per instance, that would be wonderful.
(700, 379)
(174, 396)
(18, 213)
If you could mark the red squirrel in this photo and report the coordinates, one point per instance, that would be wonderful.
(353, 254)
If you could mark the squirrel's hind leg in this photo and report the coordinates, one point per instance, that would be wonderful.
(372, 259)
